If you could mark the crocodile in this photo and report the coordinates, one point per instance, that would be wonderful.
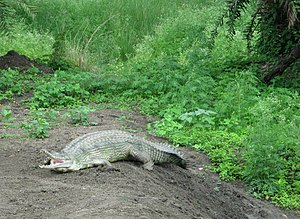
(101, 148)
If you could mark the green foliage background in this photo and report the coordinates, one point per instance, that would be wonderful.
(159, 56)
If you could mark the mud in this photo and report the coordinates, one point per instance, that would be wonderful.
(15, 61)
(132, 192)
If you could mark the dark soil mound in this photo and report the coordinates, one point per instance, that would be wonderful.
(14, 60)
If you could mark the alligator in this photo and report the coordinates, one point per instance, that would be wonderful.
(101, 148)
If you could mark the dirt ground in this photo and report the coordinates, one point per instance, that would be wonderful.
(168, 191)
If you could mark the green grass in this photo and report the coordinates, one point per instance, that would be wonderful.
(119, 25)
(28, 42)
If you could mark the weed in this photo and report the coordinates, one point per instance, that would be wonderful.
(55, 93)
(37, 126)
(6, 115)
(12, 83)
(199, 118)
(122, 118)
(39, 122)
(80, 116)
(272, 154)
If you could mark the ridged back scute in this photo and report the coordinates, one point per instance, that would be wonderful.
(95, 139)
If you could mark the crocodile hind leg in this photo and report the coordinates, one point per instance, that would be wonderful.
(141, 157)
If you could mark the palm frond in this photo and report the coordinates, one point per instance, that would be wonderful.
(27, 9)
(8, 11)
(250, 29)
(232, 12)
(291, 10)
(4, 13)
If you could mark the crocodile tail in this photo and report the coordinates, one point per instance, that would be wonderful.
(180, 161)
(175, 158)
(179, 158)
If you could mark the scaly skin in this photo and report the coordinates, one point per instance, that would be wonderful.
(104, 147)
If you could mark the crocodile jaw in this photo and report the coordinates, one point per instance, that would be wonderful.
(56, 162)
(58, 165)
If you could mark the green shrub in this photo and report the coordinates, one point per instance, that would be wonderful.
(272, 161)
(57, 93)
(169, 66)
(36, 125)
(13, 83)
(272, 155)
(235, 94)
(80, 116)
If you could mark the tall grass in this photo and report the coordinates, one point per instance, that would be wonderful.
(116, 40)
(27, 42)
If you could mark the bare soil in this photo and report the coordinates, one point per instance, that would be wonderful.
(132, 192)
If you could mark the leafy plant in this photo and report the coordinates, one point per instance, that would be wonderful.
(80, 116)
(199, 118)
(236, 93)
(37, 125)
(6, 117)
(168, 124)
(272, 148)
(6, 114)
(12, 83)
(56, 93)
